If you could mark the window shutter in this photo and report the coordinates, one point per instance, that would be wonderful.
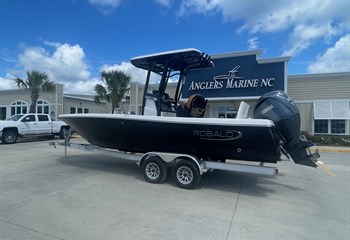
(322, 110)
(340, 110)
(331, 110)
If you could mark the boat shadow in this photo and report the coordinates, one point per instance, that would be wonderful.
(236, 182)
(102, 163)
(244, 183)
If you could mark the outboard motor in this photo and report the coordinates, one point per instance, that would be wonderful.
(282, 110)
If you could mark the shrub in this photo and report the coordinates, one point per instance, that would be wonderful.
(346, 140)
(328, 139)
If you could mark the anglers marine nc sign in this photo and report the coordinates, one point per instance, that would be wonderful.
(237, 76)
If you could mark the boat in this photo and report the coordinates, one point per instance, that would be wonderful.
(171, 125)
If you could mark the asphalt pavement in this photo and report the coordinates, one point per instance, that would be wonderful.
(44, 195)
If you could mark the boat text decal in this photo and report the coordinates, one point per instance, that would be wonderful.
(225, 135)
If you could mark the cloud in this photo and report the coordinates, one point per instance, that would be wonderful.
(67, 63)
(197, 6)
(7, 83)
(165, 3)
(87, 86)
(335, 59)
(105, 6)
(138, 75)
(81, 87)
(253, 43)
(307, 20)
(303, 36)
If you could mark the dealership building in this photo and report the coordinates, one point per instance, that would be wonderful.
(17, 101)
(323, 99)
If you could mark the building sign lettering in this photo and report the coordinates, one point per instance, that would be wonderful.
(243, 77)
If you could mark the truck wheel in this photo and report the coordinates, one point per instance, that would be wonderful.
(186, 174)
(9, 137)
(51, 136)
(154, 170)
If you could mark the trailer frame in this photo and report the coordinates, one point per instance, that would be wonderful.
(186, 169)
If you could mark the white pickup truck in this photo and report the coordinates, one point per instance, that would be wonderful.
(22, 125)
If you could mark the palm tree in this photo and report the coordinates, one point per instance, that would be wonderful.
(114, 86)
(36, 81)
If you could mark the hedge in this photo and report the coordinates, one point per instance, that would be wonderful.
(337, 140)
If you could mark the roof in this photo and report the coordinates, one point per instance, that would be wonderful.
(80, 97)
(176, 60)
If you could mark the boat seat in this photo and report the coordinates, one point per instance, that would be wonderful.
(194, 107)
(242, 110)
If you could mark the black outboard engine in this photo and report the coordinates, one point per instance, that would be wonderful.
(282, 110)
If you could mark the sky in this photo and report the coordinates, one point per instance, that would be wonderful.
(74, 40)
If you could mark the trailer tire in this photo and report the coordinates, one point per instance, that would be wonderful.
(186, 174)
(154, 170)
(9, 137)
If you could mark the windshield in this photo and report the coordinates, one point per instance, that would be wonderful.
(15, 117)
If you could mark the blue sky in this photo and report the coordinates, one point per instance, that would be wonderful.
(73, 40)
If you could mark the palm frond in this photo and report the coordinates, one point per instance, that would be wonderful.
(101, 93)
(48, 86)
(35, 82)
(21, 83)
(116, 85)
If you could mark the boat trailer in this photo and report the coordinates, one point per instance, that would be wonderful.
(186, 169)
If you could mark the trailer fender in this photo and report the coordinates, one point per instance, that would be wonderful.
(147, 155)
(172, 158)
(189, 158)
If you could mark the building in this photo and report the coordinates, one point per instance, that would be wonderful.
(17, 101)
(323, 99)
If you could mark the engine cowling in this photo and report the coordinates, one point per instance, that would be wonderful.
(283, 111)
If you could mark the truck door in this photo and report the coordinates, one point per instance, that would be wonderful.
(28, 125)
(44, 124)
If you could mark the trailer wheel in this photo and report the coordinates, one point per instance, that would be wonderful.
(154, 170)
(186, 174)
(9, 137)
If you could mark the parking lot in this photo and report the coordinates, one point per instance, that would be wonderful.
(44, 195)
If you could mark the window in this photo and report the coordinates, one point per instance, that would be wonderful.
(2, 113)
(15, 117)
(19, 107)
(321, 126)
(338, 126)
(331, 117)
(73, 110)
(227, 112)
(43, 118)
(330, 127)
(29, 118)
(42, 106)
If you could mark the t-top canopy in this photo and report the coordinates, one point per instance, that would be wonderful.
(175, 60)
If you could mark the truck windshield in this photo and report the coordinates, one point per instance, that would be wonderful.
(15, 117)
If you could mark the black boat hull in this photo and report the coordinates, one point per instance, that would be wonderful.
(217, 139)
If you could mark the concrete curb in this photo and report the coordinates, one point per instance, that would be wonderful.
(331, 149)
